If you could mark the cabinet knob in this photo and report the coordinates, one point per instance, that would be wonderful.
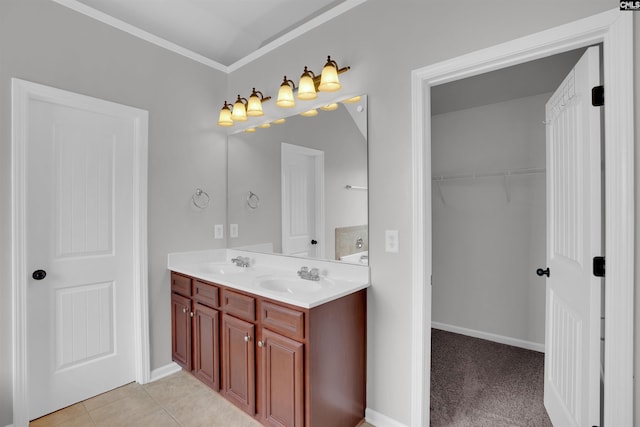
(192, 314)
(247, 338)
(260, 344)
(184, 309)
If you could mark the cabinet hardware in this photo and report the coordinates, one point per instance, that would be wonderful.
(184, 309)
(260, 344)
(192, 314)
(247, 338)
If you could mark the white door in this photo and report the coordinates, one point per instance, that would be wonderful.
(574, 192)
(79, 230)
(302, 201)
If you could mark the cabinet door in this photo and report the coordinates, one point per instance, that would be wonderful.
(181, 330)
(238, 362)
(206, 338)
(282, 374)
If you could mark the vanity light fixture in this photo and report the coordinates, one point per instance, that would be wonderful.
(352, 100)
(279, 121)
(265, 125)
(285, 94)
(309, 113)
(330, 107)
(254, 106)
(225, 116)
(250, 130)
(329, 81)
(307, 86)
(239, 112)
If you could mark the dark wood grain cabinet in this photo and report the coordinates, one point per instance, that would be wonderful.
(286, 366)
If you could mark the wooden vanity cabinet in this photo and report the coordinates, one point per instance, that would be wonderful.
(181, 330)
(286, 366)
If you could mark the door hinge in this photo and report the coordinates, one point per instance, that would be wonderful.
(597, 96)
(598, 266)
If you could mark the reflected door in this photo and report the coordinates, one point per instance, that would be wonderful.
(302, 201)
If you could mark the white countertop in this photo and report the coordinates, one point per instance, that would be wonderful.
(266, 270)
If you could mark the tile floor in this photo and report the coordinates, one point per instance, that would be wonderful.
(177, 400)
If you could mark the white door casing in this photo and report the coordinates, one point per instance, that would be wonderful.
(574, 237)
(302, 181)
(614, 29)
(79, 168)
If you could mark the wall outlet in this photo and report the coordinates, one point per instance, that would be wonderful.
(218, 231)
(391, 241)
(233, 230)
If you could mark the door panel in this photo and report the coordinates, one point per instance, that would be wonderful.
(239, 362)
(206, 337)
(181, 330)
(573, 301)
(79, 206)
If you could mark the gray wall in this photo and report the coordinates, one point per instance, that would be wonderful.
(254, 165)
(486, 249)
(383, 41)
(46, 43)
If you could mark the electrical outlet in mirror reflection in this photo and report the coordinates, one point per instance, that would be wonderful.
(218, 231)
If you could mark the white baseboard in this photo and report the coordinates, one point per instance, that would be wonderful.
(529, 345)
(379, 420)
(164, 371)
(10, 425)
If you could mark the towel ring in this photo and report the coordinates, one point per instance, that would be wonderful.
(200, 199)
(253, 200)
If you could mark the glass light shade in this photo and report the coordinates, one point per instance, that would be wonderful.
(309, 113)
(239, 113)
(279, 121)
(285, 96)
(352, 100)
(329, 81)
(264, 125)
(330, 107)
(254, 106)
(306, 87)
(225, 116)
(250, 130)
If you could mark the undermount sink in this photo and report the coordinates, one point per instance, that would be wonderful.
(292, 285)
(223, 268)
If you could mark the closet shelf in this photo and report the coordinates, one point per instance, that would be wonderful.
(505, 174)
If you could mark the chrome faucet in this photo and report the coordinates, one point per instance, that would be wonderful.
(241, 261)
(359, 243)
(305, 273)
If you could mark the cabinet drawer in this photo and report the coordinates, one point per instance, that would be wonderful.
(181, 284)
(206, 293)
(282, 319)
(239, 305)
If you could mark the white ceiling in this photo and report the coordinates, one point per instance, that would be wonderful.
(222, 31)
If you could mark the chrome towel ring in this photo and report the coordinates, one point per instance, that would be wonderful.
(253, 201)
(200, 199)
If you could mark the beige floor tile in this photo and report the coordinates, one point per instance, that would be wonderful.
(62, 417)
(174, 387)
(124, 392)
(125, 411)
(208, 409)
(155, 419)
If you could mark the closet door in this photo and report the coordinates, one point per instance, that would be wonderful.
(574, 237)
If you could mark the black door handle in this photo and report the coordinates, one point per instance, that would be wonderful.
(39, 274)
(540, 272)
(314, 242)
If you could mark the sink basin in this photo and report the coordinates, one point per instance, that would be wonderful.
(292, 285)
(223, 268)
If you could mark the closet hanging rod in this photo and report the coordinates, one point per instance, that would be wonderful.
(507, 172)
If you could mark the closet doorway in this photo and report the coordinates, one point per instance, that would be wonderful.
(489, 237)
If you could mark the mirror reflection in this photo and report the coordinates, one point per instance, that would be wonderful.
(300, 188)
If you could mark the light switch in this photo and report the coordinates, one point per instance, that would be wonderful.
(233, 230)
(218, 231)
(391, 241)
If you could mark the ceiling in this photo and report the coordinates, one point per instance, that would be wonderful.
(223, 32)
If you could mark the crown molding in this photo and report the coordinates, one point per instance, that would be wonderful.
(159, 41)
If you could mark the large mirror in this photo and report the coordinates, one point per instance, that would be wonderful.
(300, 188)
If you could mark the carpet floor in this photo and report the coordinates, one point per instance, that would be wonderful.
(478, 383)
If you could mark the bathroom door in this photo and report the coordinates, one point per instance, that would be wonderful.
(79, 155)
(574, 237)
(302, 181)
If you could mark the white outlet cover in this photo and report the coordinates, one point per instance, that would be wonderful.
(218, 231)
(233, 230)
(391, 241)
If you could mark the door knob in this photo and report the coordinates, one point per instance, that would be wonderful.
(540, 272)
(314, 242)
(39, 274)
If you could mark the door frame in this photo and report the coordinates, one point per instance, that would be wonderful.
(318, 156)
(614, 29)
(22, 93)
